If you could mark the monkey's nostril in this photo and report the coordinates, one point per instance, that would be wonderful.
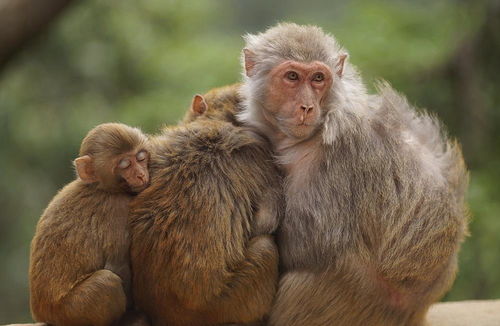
(306, 108)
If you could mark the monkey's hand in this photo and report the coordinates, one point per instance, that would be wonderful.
(266, 218)
(253, 285)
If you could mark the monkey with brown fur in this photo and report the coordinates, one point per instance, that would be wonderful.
(202, 251)
(374, 191)
(79, 265)
(219, 104)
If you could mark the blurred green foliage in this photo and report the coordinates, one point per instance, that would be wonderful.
(140, 62)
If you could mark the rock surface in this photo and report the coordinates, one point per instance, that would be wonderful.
(465, 313)
(37, 324)
(459, 313)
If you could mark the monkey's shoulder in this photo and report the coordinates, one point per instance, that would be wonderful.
(198, 161)
(78, 203)
(204, 143)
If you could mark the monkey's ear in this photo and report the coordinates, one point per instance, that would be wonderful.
(250, 60)
(84, 169)
(198, 105)
(339, 66)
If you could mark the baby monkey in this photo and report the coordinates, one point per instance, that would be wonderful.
(79, 266)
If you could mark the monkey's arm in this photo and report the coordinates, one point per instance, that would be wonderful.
(98, 299)
(249, 294)
(66, 286)
(243, 294)
(268, 214)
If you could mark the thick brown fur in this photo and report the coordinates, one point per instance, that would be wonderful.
(223, 104)
(79, 265)
(375, 209)
(202, 251)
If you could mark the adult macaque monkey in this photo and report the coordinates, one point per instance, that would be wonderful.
(201, 251)
(79, 266)
(374, 190)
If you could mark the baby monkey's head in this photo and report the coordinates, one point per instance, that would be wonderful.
(116, 156)
(219, 104)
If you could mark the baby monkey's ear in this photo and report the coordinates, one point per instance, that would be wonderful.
(85, 169)
(199, 105)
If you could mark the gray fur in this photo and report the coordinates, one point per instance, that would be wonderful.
(373, 224)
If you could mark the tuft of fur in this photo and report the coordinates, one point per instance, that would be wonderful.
(201, 252)
(375, 209)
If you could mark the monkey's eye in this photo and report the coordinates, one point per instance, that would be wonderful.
(141, 156)
(292, 75)
(125, 163)
(319, 77)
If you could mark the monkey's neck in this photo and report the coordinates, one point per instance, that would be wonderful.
(292, 154)
(94, 190)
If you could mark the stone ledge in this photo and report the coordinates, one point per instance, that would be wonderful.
(458, 313)
(465, 313)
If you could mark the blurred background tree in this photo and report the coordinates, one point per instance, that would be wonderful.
(140, 62)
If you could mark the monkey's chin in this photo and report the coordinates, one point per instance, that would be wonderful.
(138, 189)
(301, 132)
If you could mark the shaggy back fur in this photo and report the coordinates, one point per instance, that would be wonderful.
(201, 251)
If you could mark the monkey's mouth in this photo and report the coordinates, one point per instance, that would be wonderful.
(306, 123)
(301, 121)
(138, 189)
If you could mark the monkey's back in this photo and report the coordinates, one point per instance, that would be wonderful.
(190, 228)
(72, 240)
